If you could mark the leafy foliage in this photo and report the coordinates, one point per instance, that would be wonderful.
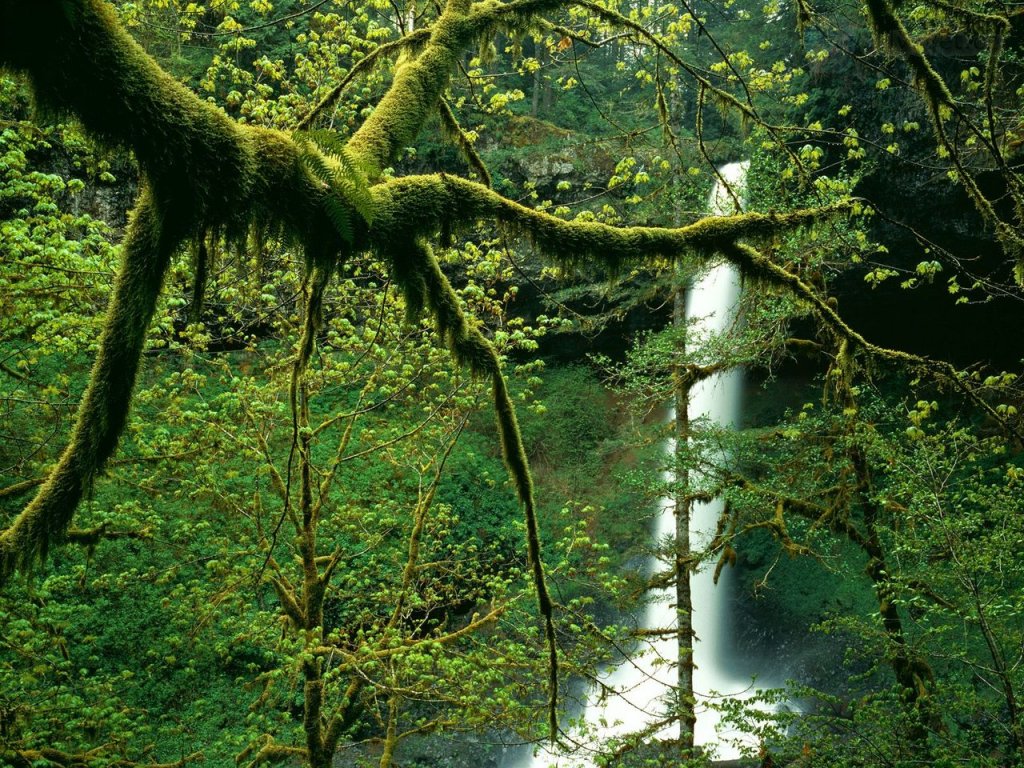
(339, 169)
(197, 549)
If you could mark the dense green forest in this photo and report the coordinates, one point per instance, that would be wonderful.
(336, 341)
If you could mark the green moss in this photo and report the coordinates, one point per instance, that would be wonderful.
(414, 94)
(454, 132)
(418, 206)
(416, 270)
(203, 173)
(104, 407)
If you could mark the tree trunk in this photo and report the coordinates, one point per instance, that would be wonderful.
(685, 700)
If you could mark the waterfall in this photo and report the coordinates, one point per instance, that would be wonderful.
(711, 308)
(644, 685)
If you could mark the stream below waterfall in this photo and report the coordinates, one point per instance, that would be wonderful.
(642, 688)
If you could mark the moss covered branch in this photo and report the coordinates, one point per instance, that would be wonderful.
(420, 206)
(104, 407)
(416, 90)
(939, 371)
(891, 34)
(202, 172)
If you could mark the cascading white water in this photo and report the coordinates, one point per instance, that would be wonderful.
(644, 685)
(711, 309)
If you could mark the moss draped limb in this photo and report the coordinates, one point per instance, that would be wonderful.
(419, 206)
(202, 171)
(80, 60)
(363, 66)
(936, 370)
(415, 268)
(890, 33)
(416, 90)
(104, 407)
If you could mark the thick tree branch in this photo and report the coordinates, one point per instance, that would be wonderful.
(420, 206)
(416, 90)
(203, 172)
(104, 407)
(364, 65)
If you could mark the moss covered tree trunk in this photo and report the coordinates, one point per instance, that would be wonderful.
(912, 673)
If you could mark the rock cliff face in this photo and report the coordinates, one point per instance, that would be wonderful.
(107, 195)
(111, 202)
(535, 152)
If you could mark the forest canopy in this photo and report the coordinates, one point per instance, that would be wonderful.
(266, 264)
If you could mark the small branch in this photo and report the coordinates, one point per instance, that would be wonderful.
(935, 369)
(90, 537)
(353, 660)
(270, 753)
(454, 131)
(18, 374)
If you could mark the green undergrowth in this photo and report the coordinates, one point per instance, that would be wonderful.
(160, 631)
(781, 600)
(581, 453)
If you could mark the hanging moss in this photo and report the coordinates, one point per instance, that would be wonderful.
(104, 408)
(451, 128)
(421, 279)
(200, 268)
(202, 172)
